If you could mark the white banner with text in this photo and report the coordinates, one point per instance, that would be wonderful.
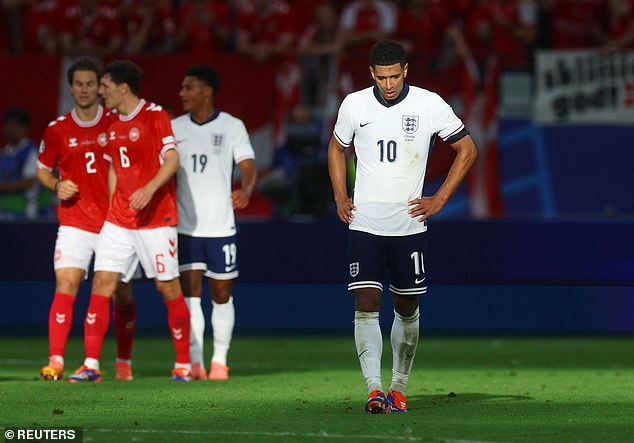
(587, 87)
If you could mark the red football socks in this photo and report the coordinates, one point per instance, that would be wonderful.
(96, 324)
(124, 326)
(60, 319)
(178, 321)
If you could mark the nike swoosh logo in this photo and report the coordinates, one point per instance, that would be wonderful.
(364, 124)
(417, 281)
(364, 351)
(230, 268)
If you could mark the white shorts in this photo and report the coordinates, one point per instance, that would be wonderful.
(74, 248)
(121, 250)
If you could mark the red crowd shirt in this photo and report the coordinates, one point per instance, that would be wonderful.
(40, 21)
(98, 29)
(426, 30)
(476, 29)
(621, 20)
(163, 25)
(572, 21)
(276, 25)
(77, 149)
(200, 21)
(136, 146)
(511, 52)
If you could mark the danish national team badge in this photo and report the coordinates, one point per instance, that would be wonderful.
(134, 134)
(354, 269)
(410, 123)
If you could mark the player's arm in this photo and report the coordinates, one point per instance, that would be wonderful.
(64, 189)
(466, 153)
(337, 166)
(240, 197)
(142, 196)
(112, 181)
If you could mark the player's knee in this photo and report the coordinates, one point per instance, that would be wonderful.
(191, 284)
(367, 299)
(170, 290)
(104, 283)
(405, 306)
(220, 291)
(221, 298)
(68, 280)
(123, 294)
(194, 290)
(67, 285)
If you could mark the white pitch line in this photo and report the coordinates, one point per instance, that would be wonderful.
(288, 434)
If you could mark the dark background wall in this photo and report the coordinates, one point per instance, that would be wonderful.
(485, 276)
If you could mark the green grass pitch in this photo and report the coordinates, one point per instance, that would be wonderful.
(310, 389)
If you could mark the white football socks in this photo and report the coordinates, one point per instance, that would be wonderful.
(404, 339)
(197, 332)
(369, 342)
(223, 318)
(91, 363)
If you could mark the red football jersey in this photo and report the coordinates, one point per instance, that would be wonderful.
(136, 145)
(77, 149)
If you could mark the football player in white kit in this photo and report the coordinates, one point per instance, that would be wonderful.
(393, 126)
(210, 142)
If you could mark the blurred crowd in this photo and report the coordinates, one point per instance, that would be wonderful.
(269, 28)
(314, 32)
(321, 46)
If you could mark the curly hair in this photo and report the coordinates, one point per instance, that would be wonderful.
(205, 74)
(386, 53)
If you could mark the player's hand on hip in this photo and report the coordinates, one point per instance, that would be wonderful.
(66, 189)
(344, 210)
(423, 208)
(140, 198)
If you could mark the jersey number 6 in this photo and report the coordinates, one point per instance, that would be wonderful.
(125, 160)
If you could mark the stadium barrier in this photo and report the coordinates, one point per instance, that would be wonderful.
(484, 277)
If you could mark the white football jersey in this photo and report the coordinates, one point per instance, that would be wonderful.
(207, 153)
(392, 144)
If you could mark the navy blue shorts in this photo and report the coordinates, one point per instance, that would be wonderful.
(216, 256)
(372, 257)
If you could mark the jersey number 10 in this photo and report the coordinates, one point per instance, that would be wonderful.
(387, 150)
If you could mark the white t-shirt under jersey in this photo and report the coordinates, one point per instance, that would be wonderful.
(207, 153)
(392, 144)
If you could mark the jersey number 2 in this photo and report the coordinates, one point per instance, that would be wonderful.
(90, 162)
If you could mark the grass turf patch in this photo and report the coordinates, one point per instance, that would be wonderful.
(305, 389)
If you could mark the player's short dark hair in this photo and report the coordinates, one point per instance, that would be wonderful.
(205, 74)
(125, 71)
(387, 53)
(17, 114)
(83, 64)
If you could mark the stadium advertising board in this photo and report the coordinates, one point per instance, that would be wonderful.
(586, 87)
